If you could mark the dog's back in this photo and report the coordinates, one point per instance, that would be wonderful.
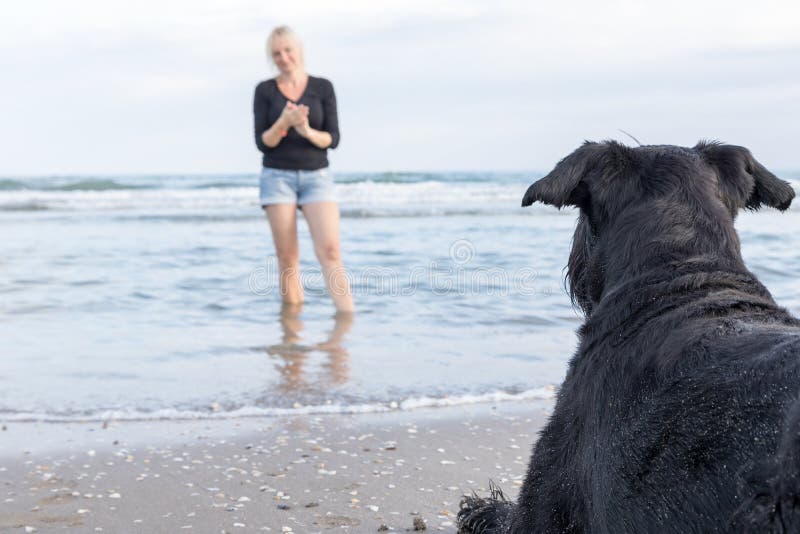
(696, 446)
(681, 422)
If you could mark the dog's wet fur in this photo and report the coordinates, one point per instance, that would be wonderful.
(679, 412)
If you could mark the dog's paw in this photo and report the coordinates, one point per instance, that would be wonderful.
(485, 516)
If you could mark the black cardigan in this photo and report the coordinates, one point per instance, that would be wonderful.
(295, 152)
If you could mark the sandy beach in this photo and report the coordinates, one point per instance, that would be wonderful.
(394, 471)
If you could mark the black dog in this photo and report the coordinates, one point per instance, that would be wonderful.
(679, 412)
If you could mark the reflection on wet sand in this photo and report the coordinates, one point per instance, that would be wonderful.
(293, 353)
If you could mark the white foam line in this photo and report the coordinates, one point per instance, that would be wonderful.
(414, 403)
(547, 392)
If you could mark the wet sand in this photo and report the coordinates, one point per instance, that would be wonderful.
(305, 474)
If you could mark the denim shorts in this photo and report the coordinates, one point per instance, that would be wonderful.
(280, 186)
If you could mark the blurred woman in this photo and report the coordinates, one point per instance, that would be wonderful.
(296, 123)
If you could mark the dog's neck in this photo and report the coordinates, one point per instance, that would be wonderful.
(643, 269)
(659, 240)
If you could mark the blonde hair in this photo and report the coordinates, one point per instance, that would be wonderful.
(288, 33)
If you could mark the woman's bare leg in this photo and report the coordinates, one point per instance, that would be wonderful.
(323, 223)
(283, 222)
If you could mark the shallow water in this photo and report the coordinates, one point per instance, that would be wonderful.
(140, 297)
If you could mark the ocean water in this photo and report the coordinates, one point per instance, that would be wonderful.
(126, 297)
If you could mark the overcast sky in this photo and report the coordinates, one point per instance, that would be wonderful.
(107, 86)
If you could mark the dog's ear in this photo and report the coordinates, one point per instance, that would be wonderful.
(744, 181)
(564, 186)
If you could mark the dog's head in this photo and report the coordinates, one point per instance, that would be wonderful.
(677, 193)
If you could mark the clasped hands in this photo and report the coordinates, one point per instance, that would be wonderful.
(295, 116)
